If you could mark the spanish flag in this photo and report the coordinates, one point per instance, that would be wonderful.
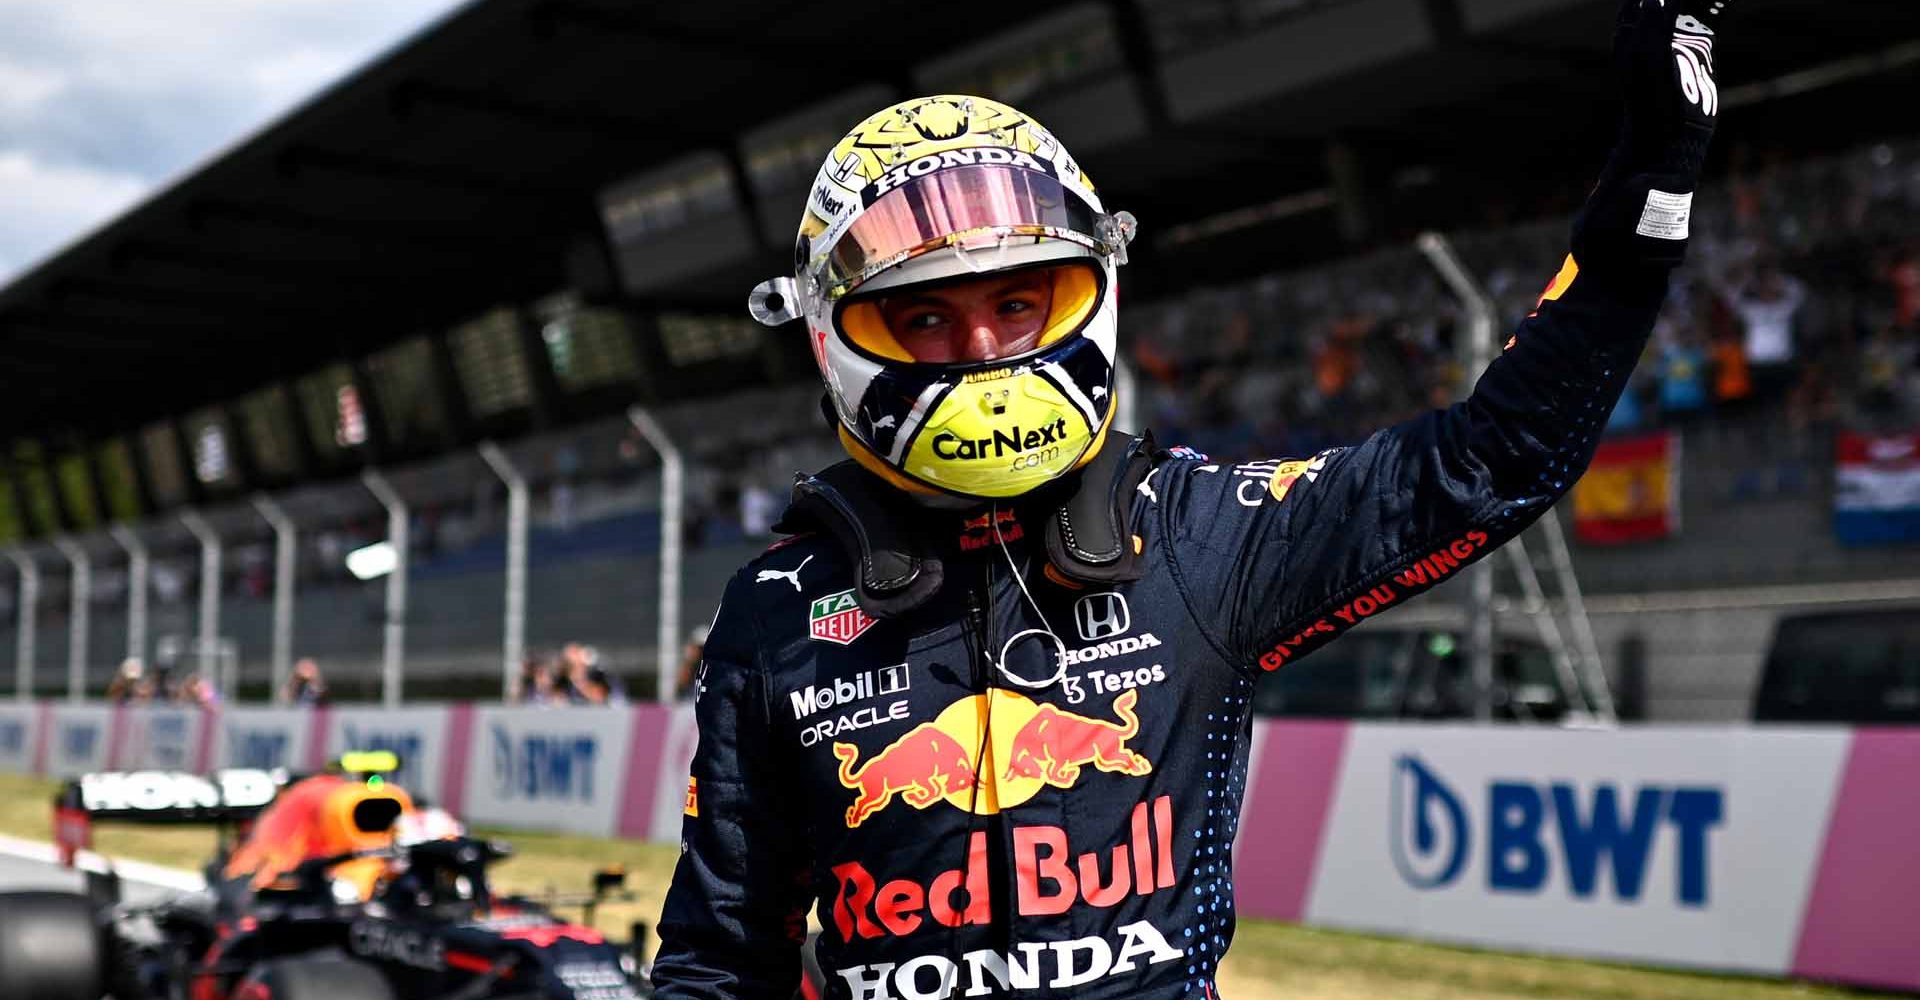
(1631, 492)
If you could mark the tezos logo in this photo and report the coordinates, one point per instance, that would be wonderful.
(1102, 616)
(1529, 826)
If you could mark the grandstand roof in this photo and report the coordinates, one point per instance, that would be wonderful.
(461, 170)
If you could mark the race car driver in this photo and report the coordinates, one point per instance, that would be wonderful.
(989, 705)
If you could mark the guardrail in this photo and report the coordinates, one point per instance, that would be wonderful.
(1768, 851)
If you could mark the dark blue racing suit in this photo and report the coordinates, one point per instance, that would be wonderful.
(966, 835)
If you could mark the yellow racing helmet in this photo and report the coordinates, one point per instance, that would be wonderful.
(942, 189)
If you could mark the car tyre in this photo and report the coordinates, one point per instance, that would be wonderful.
(50, 947)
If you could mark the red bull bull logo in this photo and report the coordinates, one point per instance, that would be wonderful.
(980, 532)
(922, 767)
(944, 760)
(1053, 745)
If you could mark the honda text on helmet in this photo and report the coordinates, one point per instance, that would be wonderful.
(936, 190)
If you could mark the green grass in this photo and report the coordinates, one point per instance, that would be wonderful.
(1270, 960)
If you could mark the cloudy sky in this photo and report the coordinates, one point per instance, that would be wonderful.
(101, 101)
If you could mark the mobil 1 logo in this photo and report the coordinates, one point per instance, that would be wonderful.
(839, 703)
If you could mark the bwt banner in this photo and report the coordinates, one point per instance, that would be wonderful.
(1774, 851)
(565, 766)
(79, 740)
(269, 738)
(1619, 845)
(19, 734)
(1766, 851)
(161, 738)
(418, 736)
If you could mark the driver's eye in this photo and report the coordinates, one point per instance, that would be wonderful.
(926, 321)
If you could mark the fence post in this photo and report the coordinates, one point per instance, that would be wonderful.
(25, 638)
(209, 597)
(394, 652)
(1473, 349)
(79, 590)
(285, 552)
(514, 646)
(137, 572)
(672, 491)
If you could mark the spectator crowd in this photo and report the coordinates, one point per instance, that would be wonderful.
(1797, 308)
(1797, 313)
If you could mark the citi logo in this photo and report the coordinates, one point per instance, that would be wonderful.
(1533, 830)
(1102, 616)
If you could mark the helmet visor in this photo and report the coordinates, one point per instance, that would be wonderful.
(966, 207)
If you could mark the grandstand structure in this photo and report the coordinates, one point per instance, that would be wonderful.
(536, 214)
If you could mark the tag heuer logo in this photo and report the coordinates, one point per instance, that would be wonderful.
(837, 618)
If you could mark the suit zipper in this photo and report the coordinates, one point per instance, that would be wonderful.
(999, 861)
(978, 639)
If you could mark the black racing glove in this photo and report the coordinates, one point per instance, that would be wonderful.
(1663, 56)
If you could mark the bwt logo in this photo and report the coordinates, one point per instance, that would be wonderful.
(261, 749)
(543, 766)
(77, 742)
(1531, 825)
(167, 741)
(403, 744)
(13, 738)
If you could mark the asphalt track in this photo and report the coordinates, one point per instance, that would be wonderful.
(27, 864)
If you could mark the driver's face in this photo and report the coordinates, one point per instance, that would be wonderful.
(980, 320)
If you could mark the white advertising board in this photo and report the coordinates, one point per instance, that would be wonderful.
(17, 736)
(160, 738)
(548, 768)
(418, 736)
(81, 740)
(1694, 847)
(265, 738)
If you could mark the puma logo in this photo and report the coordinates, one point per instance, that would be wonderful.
(790, 575)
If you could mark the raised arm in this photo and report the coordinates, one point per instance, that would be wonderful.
(1279, 557)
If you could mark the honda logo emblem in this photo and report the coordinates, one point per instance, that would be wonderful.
(1102, 616)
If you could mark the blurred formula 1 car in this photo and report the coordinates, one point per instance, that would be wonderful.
(332, 887)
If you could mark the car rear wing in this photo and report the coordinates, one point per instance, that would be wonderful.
(221, 799)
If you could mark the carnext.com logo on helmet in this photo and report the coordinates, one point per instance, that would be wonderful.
(1531, 829)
